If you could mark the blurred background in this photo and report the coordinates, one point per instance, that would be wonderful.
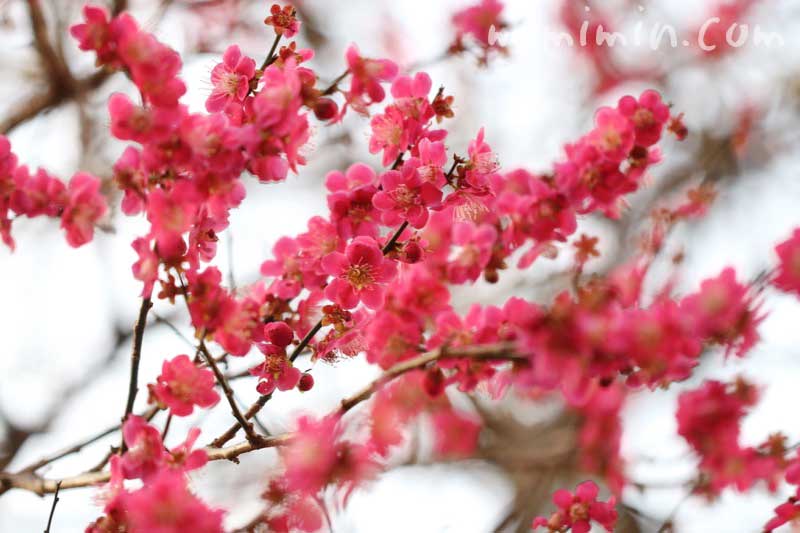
(66, 315)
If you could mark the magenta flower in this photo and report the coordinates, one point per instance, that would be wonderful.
(405, 197)
(182, 385)
(85, 206)
(577, 511)
(649, 115)
(231, 79)
(788, 274)
(613, 134)
(359, 274)
(166, 505)
(367, 75)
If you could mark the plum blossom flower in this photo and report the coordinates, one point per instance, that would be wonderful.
(478, 20)
(277, 371)
(649, 115)
(146, 453)
(404, 196)
(476, 243)
(725, 312)
(578, 510)
(283, 20)
(165, 505)
(360, 274)
(613, 135)
(85, 206)
(95, 33)
(367, 75)
(788, 273)
(231, 79)
(182, 385)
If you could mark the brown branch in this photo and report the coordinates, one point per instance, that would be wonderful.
(330, 89)
(500, 352)
(492, 352)
(252, 436)
(60, 76)
(136, 354)
(30, 481)
(39, 485)
(271, 57)
(250, 413)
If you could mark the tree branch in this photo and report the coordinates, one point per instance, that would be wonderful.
(136, 354)
(252, 436)
(492, 352)
(53, 508)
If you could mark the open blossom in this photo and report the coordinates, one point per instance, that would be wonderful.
(724, 311)
(85, 206)
(360, 274)
(165, 505)
(182, 385)
(709, 418)
(146, 453)
(231, 79)
(389, 134)
(276, 372)
(283, 20)
(153, 66)
(649, 115)
(577, 511)
(310, 458)
(432, 157)
(183, 457)
(482, 161)
(367, 75)
(138, 123)
(317, 457)
(404, 196)
(787, 277)
(479, 20)
(476, 243)
(613, 135)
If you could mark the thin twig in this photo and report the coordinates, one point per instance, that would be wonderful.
(271, 57)
(252, 436)
(53, 508)
(136, 354)
(391, 242)
(335, 83)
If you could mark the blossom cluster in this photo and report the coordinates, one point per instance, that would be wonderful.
(164, 501)
(709, 419)
(79, 204)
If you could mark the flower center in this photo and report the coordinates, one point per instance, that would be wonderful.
(403, 196)
(231, 83)
(643, 118)
(359, 276)
(579, 511)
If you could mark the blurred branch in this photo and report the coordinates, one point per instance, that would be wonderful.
(60, 85)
